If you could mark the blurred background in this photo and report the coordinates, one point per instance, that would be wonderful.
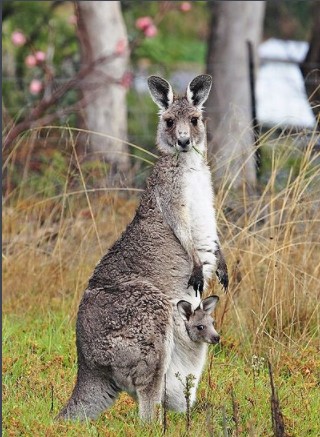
(84, 65)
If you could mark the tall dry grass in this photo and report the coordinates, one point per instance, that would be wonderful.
(271, 241)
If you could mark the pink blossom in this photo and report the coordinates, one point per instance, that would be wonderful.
(72, 19)
(18, 38)
(143, 23)
(35, 86)
(40, 56)
(121, 47)
(185, 7)
(150, 31)
(126, 80)
(30, 61)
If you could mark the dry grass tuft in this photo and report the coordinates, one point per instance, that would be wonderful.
(272, 244)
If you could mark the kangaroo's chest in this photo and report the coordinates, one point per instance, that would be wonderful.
(200, 200)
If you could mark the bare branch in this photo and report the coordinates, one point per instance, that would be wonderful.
(36, 115)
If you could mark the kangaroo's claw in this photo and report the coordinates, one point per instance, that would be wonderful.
(196, 280)
(223, 278)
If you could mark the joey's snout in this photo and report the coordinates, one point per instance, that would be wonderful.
(215, 339)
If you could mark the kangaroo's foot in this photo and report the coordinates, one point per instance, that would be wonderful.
(92, 394)
(149, 403)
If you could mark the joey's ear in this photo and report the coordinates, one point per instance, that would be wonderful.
(161, 91)
(198, 90)
(185, 309)
(209, 303)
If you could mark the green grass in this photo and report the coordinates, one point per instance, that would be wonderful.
(40, 367)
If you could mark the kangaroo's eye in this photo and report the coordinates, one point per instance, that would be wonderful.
(200, 327)
(169, 122)
(194, 121)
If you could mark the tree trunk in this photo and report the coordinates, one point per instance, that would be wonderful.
(310, 67)
(102, 33)
(233, 24)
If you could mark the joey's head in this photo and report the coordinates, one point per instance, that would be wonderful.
(181, 126)
(199, 322)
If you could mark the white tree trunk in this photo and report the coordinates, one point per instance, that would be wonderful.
(229, 109)
(101, 32)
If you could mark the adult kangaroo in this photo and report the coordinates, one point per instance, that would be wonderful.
(128, 337)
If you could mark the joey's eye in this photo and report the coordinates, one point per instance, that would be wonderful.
(169, 122)
(194, 121)
(200, 327)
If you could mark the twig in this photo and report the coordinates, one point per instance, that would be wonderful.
(36, 113)
(224, 421)
(276, 414)
(51, 407)
(235, 410)
(164, 419)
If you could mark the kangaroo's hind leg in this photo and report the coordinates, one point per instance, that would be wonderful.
(93, 393)
(155, 347)
(150, 397)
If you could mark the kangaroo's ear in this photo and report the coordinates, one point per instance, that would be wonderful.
(185, 309)
(209, 303)
(161, 91)
(198, 90)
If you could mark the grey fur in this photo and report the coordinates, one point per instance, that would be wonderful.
(199, 322)
(128, 332)
(122, 343)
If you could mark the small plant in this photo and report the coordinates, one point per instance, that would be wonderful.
(257, 364)
(188, 384)
(235, 413)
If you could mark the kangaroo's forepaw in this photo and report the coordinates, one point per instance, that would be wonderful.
(196, 280)
(223, 278)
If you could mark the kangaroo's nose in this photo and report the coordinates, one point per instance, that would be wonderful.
(184, 142)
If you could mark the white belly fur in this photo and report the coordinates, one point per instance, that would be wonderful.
(200, 199)
(188, 358)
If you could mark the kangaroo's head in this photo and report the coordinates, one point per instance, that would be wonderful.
(181, 126)
(199, 322)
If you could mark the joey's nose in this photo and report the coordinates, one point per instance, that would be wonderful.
(184, 142)
(216, 339)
